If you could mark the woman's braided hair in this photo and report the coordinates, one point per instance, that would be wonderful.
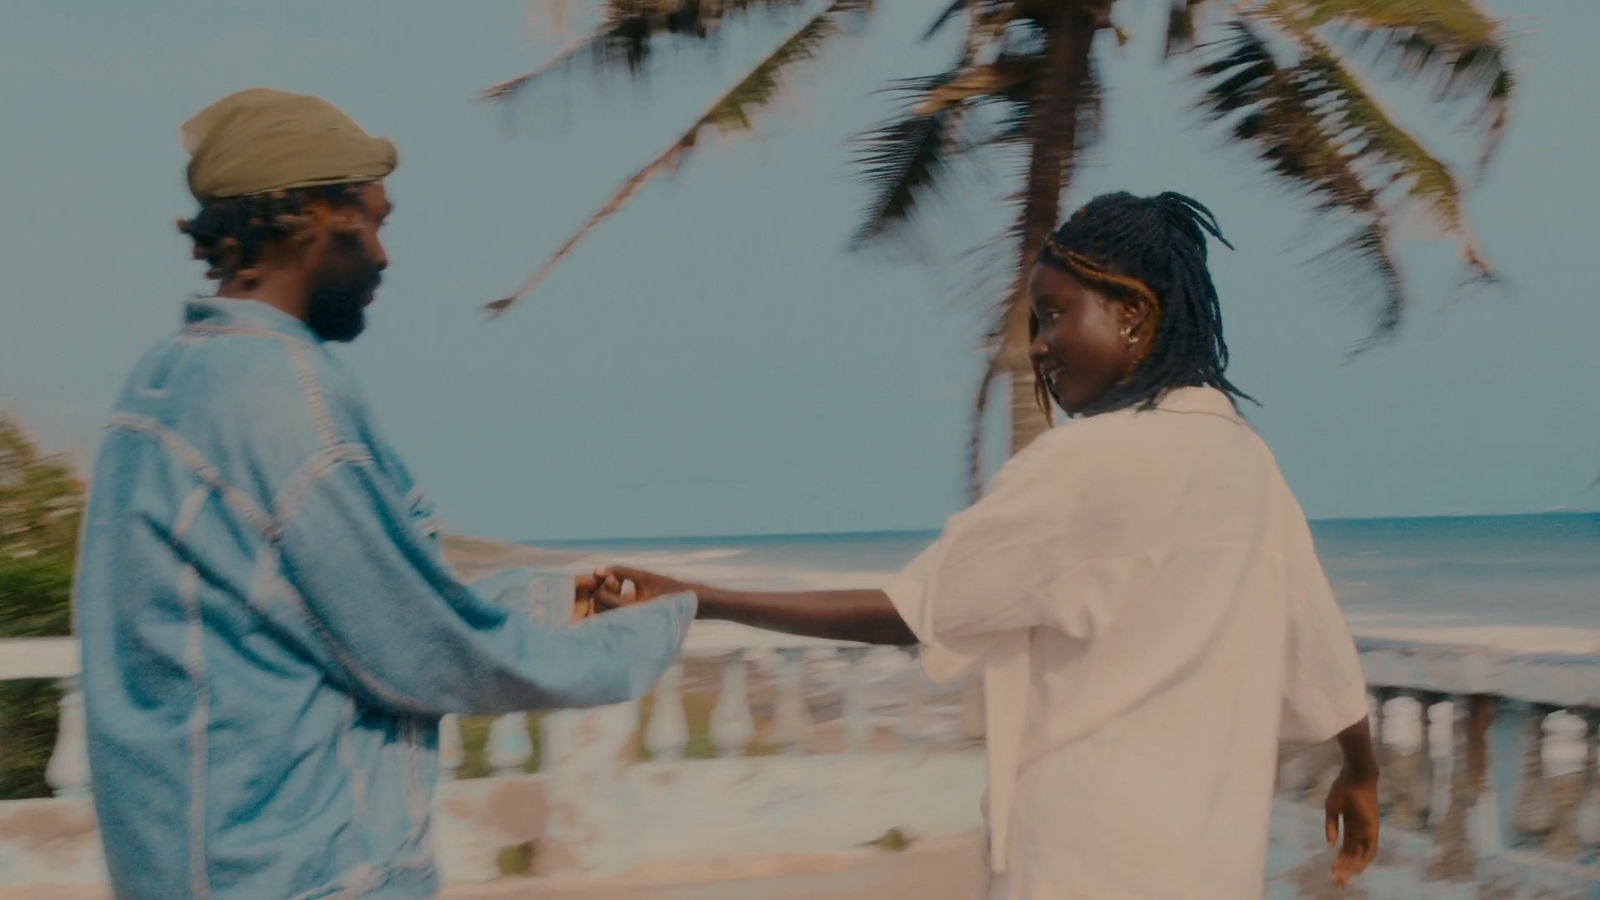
(1155, 247)
(231, 234)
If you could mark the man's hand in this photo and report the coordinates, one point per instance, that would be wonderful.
(1353, 800)
(621, 586)
(583, 588)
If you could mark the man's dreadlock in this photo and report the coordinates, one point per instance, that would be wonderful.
(230, 234)
(1153, 246)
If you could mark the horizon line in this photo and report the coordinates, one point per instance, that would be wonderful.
(907, 532)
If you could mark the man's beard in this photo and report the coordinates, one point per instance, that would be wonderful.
(336, 308)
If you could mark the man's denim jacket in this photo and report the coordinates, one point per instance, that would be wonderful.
(271, 634)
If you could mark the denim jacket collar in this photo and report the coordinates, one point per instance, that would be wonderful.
(225, 314)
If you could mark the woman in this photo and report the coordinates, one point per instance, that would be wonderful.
(1139, 586)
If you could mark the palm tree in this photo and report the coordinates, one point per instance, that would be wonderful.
(1283, 77)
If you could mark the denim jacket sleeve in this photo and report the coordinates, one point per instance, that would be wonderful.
(409, 636)
(546, 597)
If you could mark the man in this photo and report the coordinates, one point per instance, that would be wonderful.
(270, 632)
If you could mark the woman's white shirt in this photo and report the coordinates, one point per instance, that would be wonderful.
(1143, 595)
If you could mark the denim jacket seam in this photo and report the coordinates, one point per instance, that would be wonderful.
(194, 666)
(300, 360)
(206, 329)
(396, 700)
(346, 756)
(189, 511)
(311, 391)
(318, 465)
(331, 459)
(177, 446)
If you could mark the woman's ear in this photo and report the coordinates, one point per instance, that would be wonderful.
(1139, 317)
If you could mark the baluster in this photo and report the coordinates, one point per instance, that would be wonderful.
(1422, 774)
(667, 733)
(1586, 818)
(509, 747)
(450, 752)
(731, 724)
(912, 727)
(791, 721)
(594, 817)
(1380, 740)
(857, 717)
(1413, 784)
(1535, 812)
(1455, 857)
(68, 770)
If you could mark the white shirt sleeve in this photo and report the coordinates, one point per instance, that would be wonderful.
(990, 574)
(908, 593)
(1324, 690)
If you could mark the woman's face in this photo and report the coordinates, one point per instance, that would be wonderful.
(1086, 342)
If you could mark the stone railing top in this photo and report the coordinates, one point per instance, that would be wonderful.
(38, 658)
(710, 638)
(1555, 679)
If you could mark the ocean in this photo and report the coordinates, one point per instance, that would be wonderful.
(1527, 583)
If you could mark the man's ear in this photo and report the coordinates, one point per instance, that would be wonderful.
(326, 216)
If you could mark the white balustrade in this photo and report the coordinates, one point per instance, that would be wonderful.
(1480, 753)
(1535, 811)
(68, 770)
(912, 726)
(853, 706)
(1380, 741)
(667, 733)
(1521, 766)
(451, 754)
(509, 748)
(791, 721)
(732, 726)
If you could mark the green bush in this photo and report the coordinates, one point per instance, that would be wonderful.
(41, 504)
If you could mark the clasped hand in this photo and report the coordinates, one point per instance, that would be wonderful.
(614, 587)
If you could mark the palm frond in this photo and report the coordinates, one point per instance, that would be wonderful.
(970, 83)
(1180, 27)
(628, 33)
(734, 111)
(907, 160)
(1452, 43)
(904, 162)
(950, 12)
(1279, 112)
(1392, 154)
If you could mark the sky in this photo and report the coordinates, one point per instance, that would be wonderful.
(711, 362)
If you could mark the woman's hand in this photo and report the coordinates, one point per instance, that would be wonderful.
(621, 586)
(1353, 800)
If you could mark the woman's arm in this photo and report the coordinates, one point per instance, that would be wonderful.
(866, 616)
(1353, 803)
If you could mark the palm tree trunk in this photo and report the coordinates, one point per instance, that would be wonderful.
(1069, 40)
